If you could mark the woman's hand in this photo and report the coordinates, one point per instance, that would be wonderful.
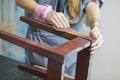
(98, 37)
(58, 20)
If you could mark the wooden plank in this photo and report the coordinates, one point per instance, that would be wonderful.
(60, 51)
(39, 71)
(32, 46)
(34, 70)
(73, 44)
(45, 26)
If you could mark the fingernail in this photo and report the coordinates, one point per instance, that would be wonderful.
(91, 53)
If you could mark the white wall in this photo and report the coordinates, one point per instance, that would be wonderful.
(105, 64)
(0, 11)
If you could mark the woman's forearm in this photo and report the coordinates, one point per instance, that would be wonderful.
(93, 14)
(28, 5)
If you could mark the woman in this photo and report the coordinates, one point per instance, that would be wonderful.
(63, 14)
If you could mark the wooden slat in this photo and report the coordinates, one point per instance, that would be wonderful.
(32, 69)
(32, 46)
(59, 51)
(72, 45)
(38, 70)
(67, 34)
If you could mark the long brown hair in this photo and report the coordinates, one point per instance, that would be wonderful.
(73, 8)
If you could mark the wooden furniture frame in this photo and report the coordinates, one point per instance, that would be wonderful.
(57, 55)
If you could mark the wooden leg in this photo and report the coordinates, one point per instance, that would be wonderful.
(55, 70)
(82, 64)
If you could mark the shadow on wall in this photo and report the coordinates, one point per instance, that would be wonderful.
(9, 21)
(8, 28)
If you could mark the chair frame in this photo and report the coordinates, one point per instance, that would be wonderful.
(56, 56)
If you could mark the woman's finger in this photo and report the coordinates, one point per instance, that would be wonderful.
(100, 37)
(97, 46)
(51, 17)
(94, 49)
(53, 21)
(92, 52)
(63, 25)
(64, 19)
(59, 21)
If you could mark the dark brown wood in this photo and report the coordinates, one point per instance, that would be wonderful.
(56, 56)
(71, 45)
(82, 64)
(32, 69)
(33, 46)
(40, 71)
(45, 26)
(55, 70)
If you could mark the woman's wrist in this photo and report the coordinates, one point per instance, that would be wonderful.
(98, 27)
(95, 23)
(42, 10)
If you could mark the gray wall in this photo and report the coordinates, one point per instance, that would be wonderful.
(105, 64)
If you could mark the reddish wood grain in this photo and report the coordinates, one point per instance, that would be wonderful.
(57, 55)
(42, 25)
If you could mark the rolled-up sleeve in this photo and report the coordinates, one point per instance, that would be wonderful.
(85, 2)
